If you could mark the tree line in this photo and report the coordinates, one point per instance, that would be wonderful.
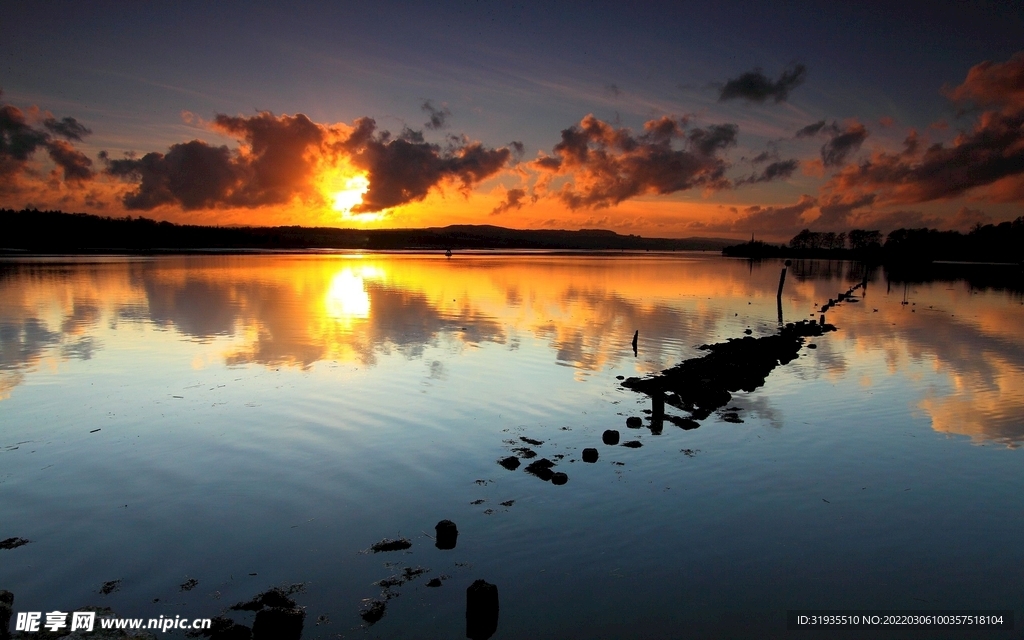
(35, 231)
(1003, 242)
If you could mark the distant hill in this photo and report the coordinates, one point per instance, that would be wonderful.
(57, 232)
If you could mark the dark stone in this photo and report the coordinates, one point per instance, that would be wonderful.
(748, 331)
(278, 623)
(481, 610)
(634, 422)
(110, 587)
(541, 468)
(13, 543)
(276, 597)
(6, 607)
(434, 582)
(511, 463)
(733, 417)
(633, 444)
(535, 443)
(559, 478)
(447, 535)
(388, 544)
(222, 628)
(374, 611)
(620, 377)
(525, 452)
(610, 437)
(590, 455)
(812, 346)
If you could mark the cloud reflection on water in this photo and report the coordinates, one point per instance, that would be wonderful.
(295, 311)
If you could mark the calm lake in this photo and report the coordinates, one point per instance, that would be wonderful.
(204, 428)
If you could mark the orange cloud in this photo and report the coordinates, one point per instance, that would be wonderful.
(280, 158)
(19, 141)
(992, 152)
(606, 165)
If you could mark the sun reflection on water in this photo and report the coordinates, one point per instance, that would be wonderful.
(347, 298)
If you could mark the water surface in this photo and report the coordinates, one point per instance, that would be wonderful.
(262, 420)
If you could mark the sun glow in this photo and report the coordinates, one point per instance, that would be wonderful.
(344, 190)
(352, 195)
(346, 298)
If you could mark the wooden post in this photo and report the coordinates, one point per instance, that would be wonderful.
(782, 278)
(782, 283)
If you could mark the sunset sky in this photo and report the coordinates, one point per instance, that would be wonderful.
(678, 119)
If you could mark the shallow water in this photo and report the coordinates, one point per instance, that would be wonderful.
(262, 420)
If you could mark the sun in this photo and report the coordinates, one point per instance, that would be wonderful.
(344, 189)
(352, 193)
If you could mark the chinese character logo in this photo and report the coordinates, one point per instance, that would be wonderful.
(28, 621)
(83, 620)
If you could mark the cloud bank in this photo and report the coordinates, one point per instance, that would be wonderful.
(280, 158)
(606, 165)
(19, 141)
(988, 154)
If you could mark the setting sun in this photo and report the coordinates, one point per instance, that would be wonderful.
(352, 194)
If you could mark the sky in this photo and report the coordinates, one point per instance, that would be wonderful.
(723, 119)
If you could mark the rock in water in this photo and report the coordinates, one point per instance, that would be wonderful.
(511, 463)
(222, 628)
(590, 455)
(373, 611)
(447, 535)
(6, 607)
(278, 623)
(610, 437)
(634, 422)
(559, 478)
(481, 610)
(541, 468)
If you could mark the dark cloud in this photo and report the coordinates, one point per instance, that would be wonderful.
(67, 128)
(818, 127)
(518, 150)
(754, 86)
(715, 138)
(193, 175)
(401, 170)
(841, 145)
(438, 117)
(277, 164)
(514, 199)
(19, 141)
(608, 165)
(775, 171)
(74, 163)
